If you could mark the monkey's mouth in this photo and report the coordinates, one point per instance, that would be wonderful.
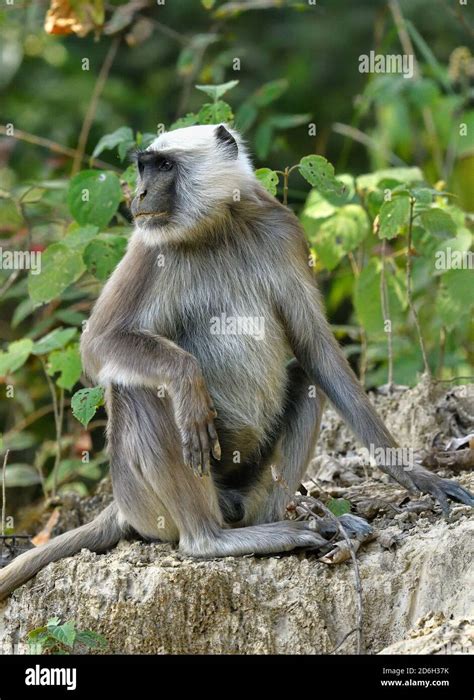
(151, 213)
(150, 218)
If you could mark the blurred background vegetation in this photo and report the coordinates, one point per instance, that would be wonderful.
(74, 72)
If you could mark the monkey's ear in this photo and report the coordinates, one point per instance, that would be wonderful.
(226, 139)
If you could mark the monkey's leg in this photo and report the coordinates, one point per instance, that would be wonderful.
(300, 429)
(100, 534)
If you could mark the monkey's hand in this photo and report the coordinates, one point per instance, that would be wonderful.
(195, 415)
(441, 489)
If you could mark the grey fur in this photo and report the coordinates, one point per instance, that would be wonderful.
(149, 342)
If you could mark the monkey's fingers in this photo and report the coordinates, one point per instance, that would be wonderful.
(441, 489)
(216, 448)
(205, 450)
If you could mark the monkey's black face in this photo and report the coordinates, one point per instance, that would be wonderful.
(156, 193)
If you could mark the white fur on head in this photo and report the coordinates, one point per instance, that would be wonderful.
(213, 177)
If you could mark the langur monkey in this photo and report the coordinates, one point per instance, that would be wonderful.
(212, 344)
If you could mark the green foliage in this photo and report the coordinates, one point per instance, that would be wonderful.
(338, 506)
(94, 197)
(56, 638)
(86, 402)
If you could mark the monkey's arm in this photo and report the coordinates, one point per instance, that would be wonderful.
(317, 350)
(138, 358)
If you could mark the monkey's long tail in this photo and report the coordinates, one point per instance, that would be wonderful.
(98, 535)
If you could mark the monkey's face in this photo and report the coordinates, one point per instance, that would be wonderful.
(154, 202)
(186, 178)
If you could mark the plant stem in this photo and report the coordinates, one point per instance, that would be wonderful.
(4, 490)
(92, 107)
(386, 317)
(409, 289)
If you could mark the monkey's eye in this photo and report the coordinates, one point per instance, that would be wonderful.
(165, 165)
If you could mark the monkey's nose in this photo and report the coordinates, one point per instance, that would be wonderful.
(142, 195)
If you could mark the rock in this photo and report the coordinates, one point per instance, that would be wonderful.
(147, 598)
(434, 634)
(416, 581)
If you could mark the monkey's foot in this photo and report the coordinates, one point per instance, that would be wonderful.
(441, 489)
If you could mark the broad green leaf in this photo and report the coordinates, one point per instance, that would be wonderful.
(367, 298)
(94, 197)
(394, 215)
(10, 215)
(21, 475)
(263, 139)
(122, 137)
(268, 178)
(68, 363)
(208, 4)
(54, 340)
(22, 311)
(79, 236)
(103, 254)
(407, 176)
(60, 267)
(320, 174)
(456, 297)
(319, 206)
(16, 356)
(245, 117)
(215, 92)
(66, 633)
(215, 113)
(18, 441)
(340, 234)
(189, 120)
(438, 222)
(85, 403)
(289, 121)
(269, 92)
(339, 506)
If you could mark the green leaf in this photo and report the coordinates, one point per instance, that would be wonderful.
(60, 267)
(269, 92)
(85, 403)
(54, 340)
(94, 197)
(406, 176)
(340, 234)
(68, 363)
(79, 236)
(320, 174)
(263, 139)
(338, 506)
(394, 215)
(367, 298)
(456, 297)
(215, 92)
(189, 120)
(215, 113)
(20, 474)
(16, 356)
(269, 179)
(122, 137)
(22, 311)
(208, 4)
(245, 117)
(438, 222)
(66, 633)
(10, 215)
(289, 121)
(103, 255)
